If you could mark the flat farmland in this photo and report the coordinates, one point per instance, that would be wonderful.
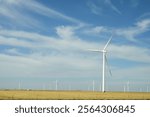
(71, 95)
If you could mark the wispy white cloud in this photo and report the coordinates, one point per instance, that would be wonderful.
(131, 32)
(46, 11)
(94, 8)
(99, 7)
(144, 24)
(131, 53)
(96, 30)
(65, 32)
(74, 43)
(63, 41)
(14, 42)
(138, 73)
(144, 16)
(47, 67)
(70, 64)
(18, 12)
(12, 51)
(112, 6)
(14, 13)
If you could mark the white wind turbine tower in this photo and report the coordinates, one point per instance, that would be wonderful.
(104, 51)
(128, 86)
(19, 86)
(93, 85)
(56, 85)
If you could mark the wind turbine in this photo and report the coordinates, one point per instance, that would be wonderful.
(104, 51)
(124, 88)
(128, 86)
(19, 86)
(56, 85)
(93, 85)
(147, 89)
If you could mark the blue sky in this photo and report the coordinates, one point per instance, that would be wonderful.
(42, 41)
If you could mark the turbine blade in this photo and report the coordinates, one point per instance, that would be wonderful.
(94, 50)
(108, 65)
(107, 43)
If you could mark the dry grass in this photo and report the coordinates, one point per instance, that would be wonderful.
(70, 95)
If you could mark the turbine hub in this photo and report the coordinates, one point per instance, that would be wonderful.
(104, 51)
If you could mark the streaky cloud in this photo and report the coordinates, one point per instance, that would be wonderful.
(18, 12)
(49, 12)
(112, 6)
(99, 7)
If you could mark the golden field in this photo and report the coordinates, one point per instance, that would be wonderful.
(71, 95)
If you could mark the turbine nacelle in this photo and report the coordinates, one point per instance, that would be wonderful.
(104, 51)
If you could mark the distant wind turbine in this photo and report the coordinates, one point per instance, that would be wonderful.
(93, 85)
(104, 51)
(128, 86)
(147, 89)
(19, 87)
(124, 88)
(56, 85)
